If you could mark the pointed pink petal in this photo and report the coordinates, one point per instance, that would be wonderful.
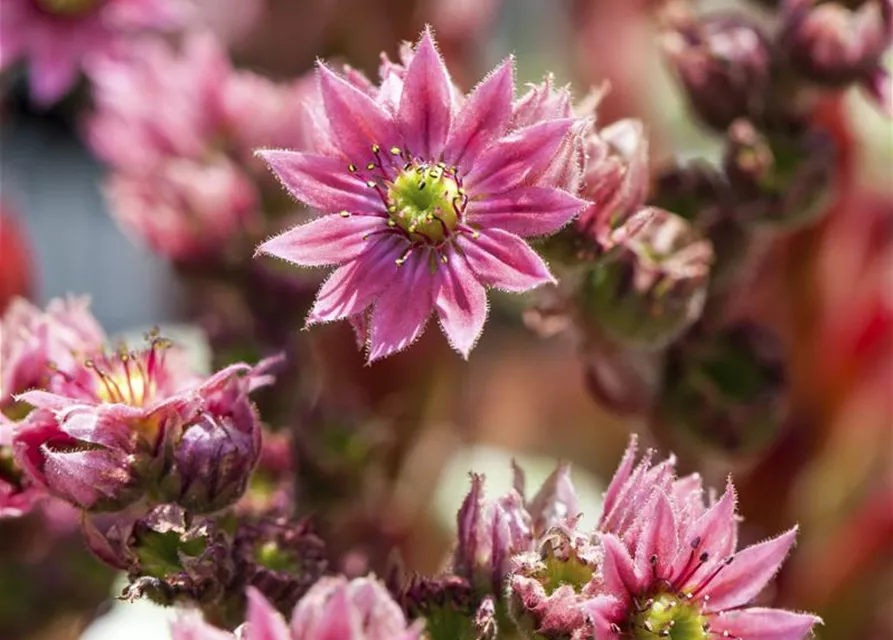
(715, 533)
(327, 240)
(190, 626)
(518, 157)
(356, 121)
(618, 481)
(483, 117)
(763, 624)
(338, 619)
(427, 101)
(46, 400)
(618, 570)
(353, 287)
(602, 612)
(750, 571)
(658, 539)
(403, 309)
(504, 261)
(526, 211)
(322, 183)
(265, 622)
(461, 303)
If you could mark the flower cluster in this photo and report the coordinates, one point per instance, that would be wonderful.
(427, 196)
(103, 430)
(177, 127)
(57, 37)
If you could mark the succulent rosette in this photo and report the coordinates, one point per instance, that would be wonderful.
(427, 197)
(101, 438)
(57, 36)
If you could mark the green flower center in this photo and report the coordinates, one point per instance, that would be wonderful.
(668, 616)
(426, 201)
(67, 7)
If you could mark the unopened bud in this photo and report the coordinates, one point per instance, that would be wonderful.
(653, 285)
(726, 389)
(782, 177)
(836, 43)
(724, 64)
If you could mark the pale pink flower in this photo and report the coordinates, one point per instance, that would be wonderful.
(56, 37)
(427, 196)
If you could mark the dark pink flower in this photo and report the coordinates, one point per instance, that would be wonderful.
(427, 196)
(57, 36)
(100, 438)
(670, 563)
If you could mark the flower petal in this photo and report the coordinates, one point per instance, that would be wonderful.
(503, 260)
(740, 582)
(327, 240)
(618, 570)
(265, 622)
(657, 539)
(603, 611)
(619, 480)
(427, 102)
(461, 303)
(403, 309)
(714, 533)
(352, 288)
(322, 183)
(526, 211)
(763, 624)
(483, 117)
(356, 121)
(518, 157)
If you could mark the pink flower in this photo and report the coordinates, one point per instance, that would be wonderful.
(334, 609)
(670, 562)
(427, 197)
(177, 127)
(57, 36)
(102, 437)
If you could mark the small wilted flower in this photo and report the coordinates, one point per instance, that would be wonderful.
(784, 176)
(56, 37)
(670, 565)
(427, 196)
(838, 43)
(615, 178)
(281, 558)
(653, 284)
(726, 388)
(100, 439)
(724, 63)
(167, 555)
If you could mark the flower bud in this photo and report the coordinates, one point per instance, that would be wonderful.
(653, 284)
(615, 179)
(489, 534)
(836, 43)
(782, 177)
(361, 609)
(724, 64)
(726, 389)
(447, 603)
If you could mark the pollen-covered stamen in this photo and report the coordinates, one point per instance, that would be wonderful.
(66, 7)
(426, 201)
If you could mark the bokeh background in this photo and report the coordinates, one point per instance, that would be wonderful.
(825, 289)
